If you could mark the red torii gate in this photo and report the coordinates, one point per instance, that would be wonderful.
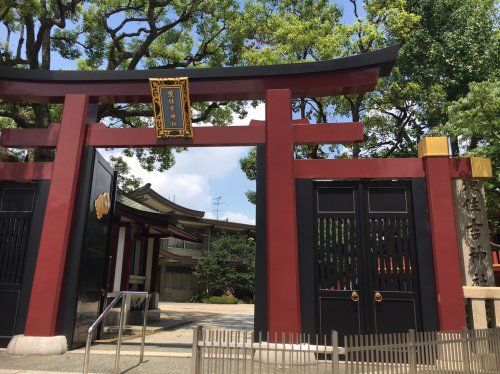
(277, 86)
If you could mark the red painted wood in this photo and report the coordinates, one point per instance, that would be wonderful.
(31, 137)
(100, 136)
(25, 171)
(383, 168)
(460, 168)
(282, 252)
(445, 244)
(325, 133)
(363, 79)
(203, 136)
(48, 277)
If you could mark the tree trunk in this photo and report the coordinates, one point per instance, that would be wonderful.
(356, 148)
(455, 150)
(46, 49)
(7, 156)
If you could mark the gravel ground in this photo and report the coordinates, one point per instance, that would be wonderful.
(72, 363)
(168, 351)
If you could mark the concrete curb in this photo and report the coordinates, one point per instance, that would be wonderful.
(134, 353)
(37, 345)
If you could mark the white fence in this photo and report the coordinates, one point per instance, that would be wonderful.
(468, 351)
(242, 352)
(478, 297)
(226, 351)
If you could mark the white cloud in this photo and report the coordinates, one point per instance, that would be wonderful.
(233, 217)
(188, 181)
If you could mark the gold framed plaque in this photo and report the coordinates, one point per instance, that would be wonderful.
(171, 107)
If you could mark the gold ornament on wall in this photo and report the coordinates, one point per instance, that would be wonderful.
(171, 107)
(102, 204)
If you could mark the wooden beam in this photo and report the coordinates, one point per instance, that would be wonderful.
(204, 136)
(328, 133)
(383, 168)
(133, 86)
(21, 138)
(25, 171)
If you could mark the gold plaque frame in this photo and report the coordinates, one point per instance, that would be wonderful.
(163, 132)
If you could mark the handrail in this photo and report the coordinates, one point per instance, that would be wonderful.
(121, 295)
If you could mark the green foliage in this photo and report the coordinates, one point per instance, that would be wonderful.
(248, 165)
(229, 265)
(126, 182)
(221, 300)
(475, 120)
(117, 35)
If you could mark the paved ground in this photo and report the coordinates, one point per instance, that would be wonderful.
(167, 351)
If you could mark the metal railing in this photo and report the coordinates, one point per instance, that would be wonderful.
(181, 244)
(124, 295)
(241, 352)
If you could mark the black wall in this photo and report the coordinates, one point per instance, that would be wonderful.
(260, 315)
(425, 258)
(86, 264)
(307, 270)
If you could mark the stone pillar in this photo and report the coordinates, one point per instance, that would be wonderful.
(473, 233)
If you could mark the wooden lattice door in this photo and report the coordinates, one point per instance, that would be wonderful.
(365, 256)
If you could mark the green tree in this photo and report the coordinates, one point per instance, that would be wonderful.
(455, 43)
(229, 264)
(304, 30)
(116, 35)
(446, 45)
(125, 181)
(476, 118)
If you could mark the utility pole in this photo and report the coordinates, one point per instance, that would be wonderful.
(217, 203)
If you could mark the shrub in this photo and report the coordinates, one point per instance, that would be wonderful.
(221, 300)
(228, 266)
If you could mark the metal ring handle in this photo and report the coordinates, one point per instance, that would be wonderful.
(354, 296)
(378, 297)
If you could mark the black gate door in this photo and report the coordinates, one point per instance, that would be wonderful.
(22, 207)
(16, 206)
(366, 258)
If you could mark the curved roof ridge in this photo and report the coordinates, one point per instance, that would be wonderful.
(384, 57)
(146, 189)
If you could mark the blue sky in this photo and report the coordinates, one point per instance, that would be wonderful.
(202, 174)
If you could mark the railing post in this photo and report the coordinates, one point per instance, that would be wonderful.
(87, 354)
(335, 352)
(120, 331)
(144, 323)
(465, 350)
(412, 353)
(196, 356)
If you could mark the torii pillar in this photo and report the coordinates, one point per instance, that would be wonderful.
(283, 295)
